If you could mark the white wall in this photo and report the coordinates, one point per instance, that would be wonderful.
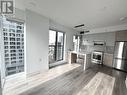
(37, 31)
(37, 41)
(18, 15)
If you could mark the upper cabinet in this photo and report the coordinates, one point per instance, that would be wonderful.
(108, 38)
(121, 36)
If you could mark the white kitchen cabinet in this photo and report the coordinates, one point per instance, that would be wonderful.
(108, 59)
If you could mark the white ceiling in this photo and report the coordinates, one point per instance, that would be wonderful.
(92, 13)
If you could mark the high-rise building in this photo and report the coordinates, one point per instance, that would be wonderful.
(13, 46)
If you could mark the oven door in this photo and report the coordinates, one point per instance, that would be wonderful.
(97, 58)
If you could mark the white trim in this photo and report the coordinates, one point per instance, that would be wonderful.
(2, 65)
(36, 73)
(33, 74)
(64, 52)
(22, 74)
(57, 63)
(25, 65)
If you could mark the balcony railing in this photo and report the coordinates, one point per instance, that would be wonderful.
(55, 55)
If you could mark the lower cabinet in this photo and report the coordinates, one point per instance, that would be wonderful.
(108, 59)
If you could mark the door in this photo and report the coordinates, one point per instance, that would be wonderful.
(52, 46)
(60, 46)
(56, 46)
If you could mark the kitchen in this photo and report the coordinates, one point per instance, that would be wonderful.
(64, 47)
(100, 48)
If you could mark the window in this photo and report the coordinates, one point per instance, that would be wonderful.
(56, 46)
(13, 45)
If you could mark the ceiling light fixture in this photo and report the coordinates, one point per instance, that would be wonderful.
(81, 25)
(82, 31)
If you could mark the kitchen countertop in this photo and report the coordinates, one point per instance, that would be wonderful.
(85, 58)
(81, 53)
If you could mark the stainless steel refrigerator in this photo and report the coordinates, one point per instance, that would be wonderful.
(120, 55)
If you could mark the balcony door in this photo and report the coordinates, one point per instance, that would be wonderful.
(56, 46)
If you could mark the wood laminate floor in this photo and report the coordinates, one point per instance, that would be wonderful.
(74, 80)
(100, 84)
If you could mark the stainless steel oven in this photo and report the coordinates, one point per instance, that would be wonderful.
(97, 57)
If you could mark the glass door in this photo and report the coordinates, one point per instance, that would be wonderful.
(52, 46)
(60, 46)
(56, 46)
